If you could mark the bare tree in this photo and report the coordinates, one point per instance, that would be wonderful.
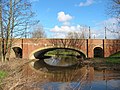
(114, 11)
(38, 32)
(76, 35)
(73, 39)
(76, 38)
(14, 14)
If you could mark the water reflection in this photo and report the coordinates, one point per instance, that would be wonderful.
(42, 65)
(77, 78)
(62, 57)
(62, 60)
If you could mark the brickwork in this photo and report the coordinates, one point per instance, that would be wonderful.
(30, 46)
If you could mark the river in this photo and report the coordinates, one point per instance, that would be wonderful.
(76, 78)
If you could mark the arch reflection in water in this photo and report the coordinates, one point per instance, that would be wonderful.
(60, 74)
(85, 78)
(41, 64)
(62, 60)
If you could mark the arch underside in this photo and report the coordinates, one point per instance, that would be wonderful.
(98, 52)
(39, 54)
(18, 52)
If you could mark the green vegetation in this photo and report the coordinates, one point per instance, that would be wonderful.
(3, 74)
(62, 52)
(114, 59)
(116, 54)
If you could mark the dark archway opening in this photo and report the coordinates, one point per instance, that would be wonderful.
(40, 54)
(18, 52)
(98, 52)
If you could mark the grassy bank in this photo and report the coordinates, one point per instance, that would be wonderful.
(116, 55)
(114, 59)
(109, 63)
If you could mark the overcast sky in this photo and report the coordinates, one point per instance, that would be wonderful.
(58, 17)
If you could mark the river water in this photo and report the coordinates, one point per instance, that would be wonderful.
(76, 78)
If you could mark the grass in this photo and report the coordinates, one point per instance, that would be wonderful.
(114, 59)
(116, 55)
(3, 74)
(61, 51)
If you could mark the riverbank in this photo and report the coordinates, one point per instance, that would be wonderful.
(111, 63)
(17, 74)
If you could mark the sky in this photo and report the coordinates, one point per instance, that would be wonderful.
(58, 17)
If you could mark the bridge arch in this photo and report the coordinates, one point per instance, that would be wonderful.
(39, 51)
(98, 52)
(18, 52)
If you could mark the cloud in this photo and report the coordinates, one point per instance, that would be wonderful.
(100, 34)
(62, 17)
(58, 35)
(66, 29)
(61, 31)
(112, 27)
(96, 32)
(87, 3)
(110, 24)
(66, 23)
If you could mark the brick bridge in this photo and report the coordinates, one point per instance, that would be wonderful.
(25, 48)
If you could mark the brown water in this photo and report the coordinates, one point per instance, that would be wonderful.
(77, 78)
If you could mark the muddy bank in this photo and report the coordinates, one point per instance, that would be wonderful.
(102, 65)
